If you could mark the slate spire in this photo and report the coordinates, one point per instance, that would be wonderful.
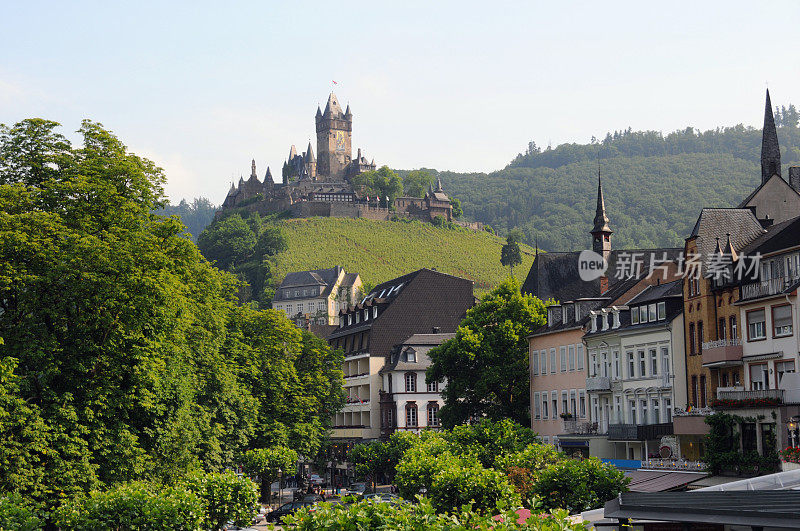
(770, 150)
(310, 153)
(601, 232)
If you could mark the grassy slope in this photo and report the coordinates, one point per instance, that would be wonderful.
(382, 250)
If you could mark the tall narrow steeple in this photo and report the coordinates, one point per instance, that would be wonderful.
(770, 150)
(253, 170)
(601, 232)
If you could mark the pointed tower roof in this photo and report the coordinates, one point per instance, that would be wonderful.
(292, 152)
(232, 191)
(439, 185)
(319, 112)
(770, 150)
(332, 108)
(241, 180)
(268, 177)
(347, 112)
(717, 249)
(600, 217)
(253, 176)
(310, 154)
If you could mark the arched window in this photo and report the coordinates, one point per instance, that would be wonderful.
(433, 414)
(411, 416)
(411, 382)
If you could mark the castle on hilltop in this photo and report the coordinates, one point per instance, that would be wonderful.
(321, 185)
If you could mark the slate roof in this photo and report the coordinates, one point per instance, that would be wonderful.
(314, 278)
(775, 238)
(423, 361)
(658, 292)
(713, 223)
(555, 275)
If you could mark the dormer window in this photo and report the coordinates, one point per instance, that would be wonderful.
(604, 318)
(616, 322)
(635, 315)
(593, 321)
(374, 312)
(358, 315)
(349, 318)
(410, 355)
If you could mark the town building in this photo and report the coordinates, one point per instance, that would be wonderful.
(423, 302)
(407, 402)
(316, 296)
(435, 203)
(635, 369)
(560, 409)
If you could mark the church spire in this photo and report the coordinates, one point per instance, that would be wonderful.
(439, 185)
(601, 232)
(253, 170)
(310, 153)
(770, 151)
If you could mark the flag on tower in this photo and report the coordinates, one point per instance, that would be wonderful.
(334, 82)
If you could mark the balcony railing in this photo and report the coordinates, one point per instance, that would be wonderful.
(598, 383)
(744, 395)
(746, 399)
(639, 432)
(576, 427)
(722, 351)
(764, 288)
(674, 464)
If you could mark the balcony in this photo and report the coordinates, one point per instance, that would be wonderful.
(765, 288)
(722, 353)
(747, 399)
(637, 432)
(575, 427)
(598, 384)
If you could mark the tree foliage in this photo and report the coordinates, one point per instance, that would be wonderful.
(125, 353)
(417, 182)
(226, 498)
(486, 364)
(196, 215)
(268, 464)
(510, 254)
(380, 183)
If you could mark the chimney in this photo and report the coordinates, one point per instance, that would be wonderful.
(603, 284)
(794, 178)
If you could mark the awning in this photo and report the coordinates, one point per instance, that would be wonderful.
(573, 444)
(759, 357)
(660, 480)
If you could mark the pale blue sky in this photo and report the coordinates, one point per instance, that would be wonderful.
(203, 87)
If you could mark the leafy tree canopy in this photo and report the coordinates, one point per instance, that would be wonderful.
(486, 364)
(381, 183)
(417, 182)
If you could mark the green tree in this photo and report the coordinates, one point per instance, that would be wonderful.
(227, 243)
(268, 464)
(486, 364)
(370, 460)
(510, 254)
(417, 182)
(457, 210)
(579, 485)
(17, 514)
(226, 498)
(381, 183)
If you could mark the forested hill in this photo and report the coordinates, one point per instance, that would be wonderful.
(654, 184)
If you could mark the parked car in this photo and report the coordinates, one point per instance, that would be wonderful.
(385, 497)
(287, 509)
(356, 489)
(316, 479)
(313, 498)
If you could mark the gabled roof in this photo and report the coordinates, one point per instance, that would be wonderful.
(314, 277)
(656, 292)
(780, 236)
(714, 223)
(395, 362)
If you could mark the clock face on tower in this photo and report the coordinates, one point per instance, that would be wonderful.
(339, 140)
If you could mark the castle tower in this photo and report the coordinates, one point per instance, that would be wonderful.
(334, 132)
(601, 232)
(770, 151)
(311, 162)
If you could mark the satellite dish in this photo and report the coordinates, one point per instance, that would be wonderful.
(665, 452)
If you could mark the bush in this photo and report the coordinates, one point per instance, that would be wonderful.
(133, 506)
(459, 484)
(17, 515)
(578, 485)
(407, 517)
(226, 497)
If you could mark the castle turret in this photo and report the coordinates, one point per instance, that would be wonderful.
(439, 185)
(334, 132)
(601, 232)
(311, 161)
(770, 150)
(292, 153)
(347, 113)
(253, 170)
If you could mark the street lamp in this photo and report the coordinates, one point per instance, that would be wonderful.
(280, 487)
(793, 432)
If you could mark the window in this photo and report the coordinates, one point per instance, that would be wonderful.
(721, 329)
(781, 368)
(651, 310)
(700, 337)
(411, 382)
(653, 362)
(572, 357)
(411, 355)
(756, 326)
(656, 413)
(411, 416)
(642, 364)
(543, 360)
(433, 387)
(300, 308)
(563, 351)
(631, 366)
(662, 311)
(537, 410)
(643, 408)
(564, 402)
(632, 411)
(573, 403)
(782, 320)
(703, 402)
(433, 414)
(553, 367)
(374, 312)
(535, 362)
(734, 331)
(758, 377)
(692, 344)
(635, 316)
(643, 314)
(667, 410)
(554, 402)
(288, 309)
(694, 390)
(615, 369)
(579, 355)
(544, 405)
(582, 403)
(665, 362)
